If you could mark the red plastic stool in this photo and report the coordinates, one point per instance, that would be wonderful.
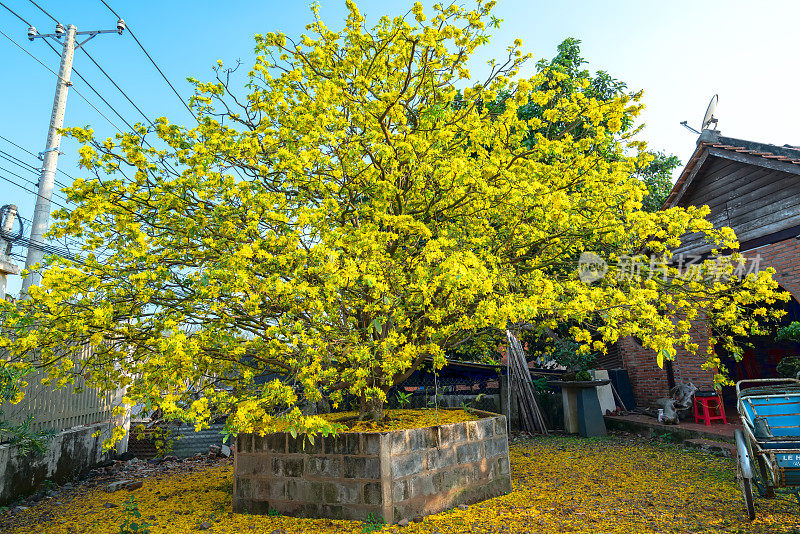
(708, 407)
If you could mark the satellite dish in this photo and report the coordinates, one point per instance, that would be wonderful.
(709, 119)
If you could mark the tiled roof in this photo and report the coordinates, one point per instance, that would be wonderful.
(787, 154)
(768, 155)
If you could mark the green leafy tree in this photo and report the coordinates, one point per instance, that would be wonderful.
(566, 75)
(657, 177)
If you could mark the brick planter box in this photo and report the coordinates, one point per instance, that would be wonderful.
(393, 475)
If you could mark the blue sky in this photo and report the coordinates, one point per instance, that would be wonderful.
(679, 52)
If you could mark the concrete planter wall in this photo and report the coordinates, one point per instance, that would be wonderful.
(69, 453)
(394, 475)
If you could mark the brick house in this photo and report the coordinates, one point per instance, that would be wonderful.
(753, 188)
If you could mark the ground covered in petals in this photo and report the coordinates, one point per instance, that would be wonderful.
(619, 484)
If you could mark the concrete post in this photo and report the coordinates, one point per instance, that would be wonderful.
(6, 265)
(41, 213)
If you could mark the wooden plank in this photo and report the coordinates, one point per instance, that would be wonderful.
(768, 239)
(714, 171)
(749, 231)
(767, 204)
(746, 177)
(749, 184)
(718, 169)
(772, 186)
(786, 202)
(521, 378)
(526, 407)
(782, 215)
(693, 247)
(618, 398)
(754, 229)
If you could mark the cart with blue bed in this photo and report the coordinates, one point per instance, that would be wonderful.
(768, 446)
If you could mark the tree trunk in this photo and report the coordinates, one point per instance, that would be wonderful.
(371, 409)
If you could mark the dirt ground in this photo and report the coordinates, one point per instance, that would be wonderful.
(618, 484)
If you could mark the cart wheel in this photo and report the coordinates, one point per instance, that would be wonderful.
(747, 492)
(744, 473)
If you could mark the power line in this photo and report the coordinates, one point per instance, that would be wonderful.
(107, 103)
(118, 87)
(48, 249)
(70, 239)
(74, 240)
(33, 171)
(65, 81)
(18, 185)
(51, 249)
(26, 240)
(20, 177)
(78, 74)
(21, 166)
(23, 258)
(96, 92)
(22, 217)
(189, 109)
(31, 182)
(18, 162)
(112, 108)
(15, 14)
(128, 27)
(34, 184)
(43, 11)
(16, 145)
(25, 165)
(34, 57)
(74, 89)
(7, 140)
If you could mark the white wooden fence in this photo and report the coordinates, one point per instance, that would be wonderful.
(59, 409)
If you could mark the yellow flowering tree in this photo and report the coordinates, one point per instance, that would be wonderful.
(363, 205)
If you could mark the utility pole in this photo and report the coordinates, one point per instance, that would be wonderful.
(41, 213)
(6, 265)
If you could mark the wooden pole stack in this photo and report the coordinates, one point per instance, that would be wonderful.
(529, 414)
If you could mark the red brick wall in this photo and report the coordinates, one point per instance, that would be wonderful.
(686, 366)
(650, 382)
(784, 257)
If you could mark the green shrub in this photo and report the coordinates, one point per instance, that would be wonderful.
(20, 435)
(789, 366)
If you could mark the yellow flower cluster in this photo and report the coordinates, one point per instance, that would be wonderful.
(362, 208)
